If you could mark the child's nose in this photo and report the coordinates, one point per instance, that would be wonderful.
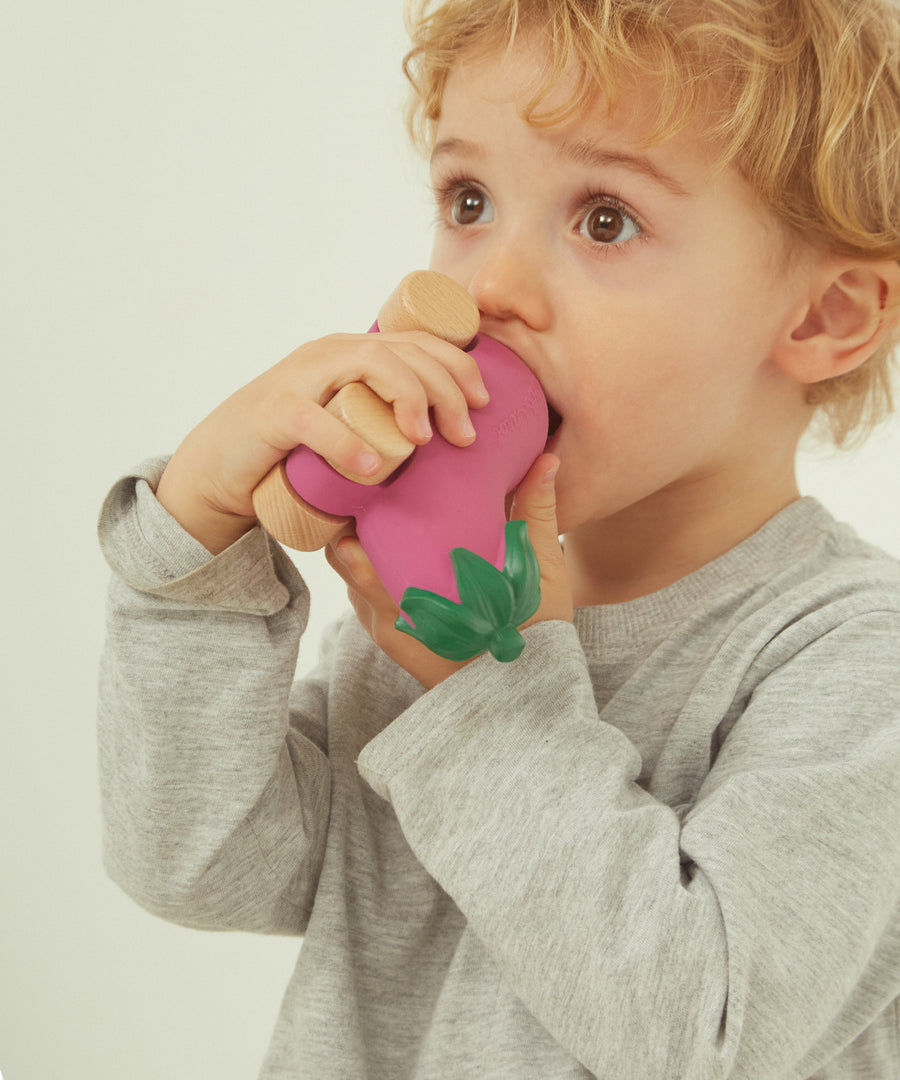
(507, 284)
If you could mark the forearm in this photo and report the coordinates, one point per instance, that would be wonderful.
(675, 940)
(201, 796)
(522, 804)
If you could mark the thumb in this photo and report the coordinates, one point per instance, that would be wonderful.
(535, 503)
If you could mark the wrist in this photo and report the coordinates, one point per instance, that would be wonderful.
(214, 528)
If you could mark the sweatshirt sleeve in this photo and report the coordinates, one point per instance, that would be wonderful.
(214, 796)
(720, 939)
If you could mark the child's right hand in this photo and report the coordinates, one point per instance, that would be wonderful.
(208, 484)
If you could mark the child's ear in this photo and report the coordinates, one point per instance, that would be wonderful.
(853, 307)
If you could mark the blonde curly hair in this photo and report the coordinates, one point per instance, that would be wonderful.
(802, 96)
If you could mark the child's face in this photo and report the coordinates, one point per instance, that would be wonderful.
(644, 293)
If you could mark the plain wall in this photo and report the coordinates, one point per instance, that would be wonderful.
(190, 190)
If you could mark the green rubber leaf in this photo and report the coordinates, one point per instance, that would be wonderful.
(493, 603)
(483, 589)
(507, 644)
(443, 626)
(523, 571)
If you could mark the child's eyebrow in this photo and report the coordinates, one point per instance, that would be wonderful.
(462, 147)
(580, 152)
(585, 152)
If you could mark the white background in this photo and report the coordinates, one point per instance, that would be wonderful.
(189, 190)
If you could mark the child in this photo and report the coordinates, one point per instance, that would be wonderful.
(665, 843)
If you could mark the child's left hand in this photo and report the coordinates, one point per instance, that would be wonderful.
(534, 503)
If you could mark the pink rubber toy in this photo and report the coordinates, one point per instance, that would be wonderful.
(443, 497)
(433, 518)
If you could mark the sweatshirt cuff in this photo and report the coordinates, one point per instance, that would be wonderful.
(475, 714)
(147, 548)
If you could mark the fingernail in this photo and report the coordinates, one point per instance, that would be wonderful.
(368, 463)
(424, 428)
(341, 550)
(467, 428)
(550, 475)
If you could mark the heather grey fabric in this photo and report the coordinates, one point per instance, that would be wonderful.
(665, 843)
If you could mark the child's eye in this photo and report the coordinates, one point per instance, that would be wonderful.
(470, 206)
(607, 222)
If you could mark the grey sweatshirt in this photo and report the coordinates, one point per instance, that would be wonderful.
(663, 844)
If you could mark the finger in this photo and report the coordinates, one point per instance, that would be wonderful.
(374, 361)
(451, 381)
(345, 554)
(460, 364)
(535, 503)
(413, 372)
(377, 614)
(450, 409)
(308, 424)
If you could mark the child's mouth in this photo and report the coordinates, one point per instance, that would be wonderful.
(554, 423)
